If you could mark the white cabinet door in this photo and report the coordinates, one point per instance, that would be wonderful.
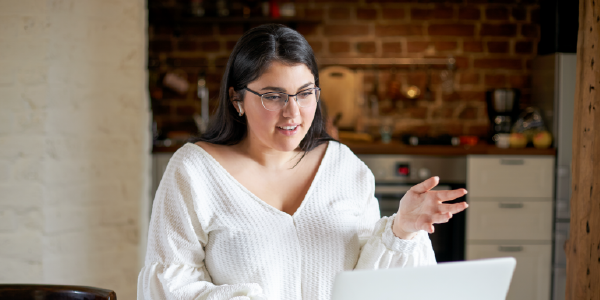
(510, 176)
(509, 220)
(531, 280)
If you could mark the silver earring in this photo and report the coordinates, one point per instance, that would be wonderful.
(241, 109)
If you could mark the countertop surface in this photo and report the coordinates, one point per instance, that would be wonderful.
(400, 148)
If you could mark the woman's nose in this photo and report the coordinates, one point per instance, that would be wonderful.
(291, 109)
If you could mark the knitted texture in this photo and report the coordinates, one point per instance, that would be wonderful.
(211, 238)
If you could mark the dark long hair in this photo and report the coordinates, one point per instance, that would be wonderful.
(250, 58)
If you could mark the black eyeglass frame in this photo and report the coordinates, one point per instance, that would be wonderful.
(288, 96)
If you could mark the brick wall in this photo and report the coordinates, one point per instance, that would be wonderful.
(74, 139)
(492, 41)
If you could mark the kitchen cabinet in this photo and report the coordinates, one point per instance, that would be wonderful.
(510, 214)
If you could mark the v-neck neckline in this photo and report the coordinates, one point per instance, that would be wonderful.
(259, 200)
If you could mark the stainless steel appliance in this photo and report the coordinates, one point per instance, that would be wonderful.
(503, 109)
(553, 91)
(396, 174)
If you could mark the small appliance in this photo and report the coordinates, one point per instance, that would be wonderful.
(503, 109)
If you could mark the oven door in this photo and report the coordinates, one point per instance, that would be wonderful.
(448, 240)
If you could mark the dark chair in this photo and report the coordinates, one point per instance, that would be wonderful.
(53, 292)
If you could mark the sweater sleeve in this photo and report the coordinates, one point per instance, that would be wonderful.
(174, 265)
(381, 249)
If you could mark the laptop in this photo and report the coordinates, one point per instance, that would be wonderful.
(487, 279)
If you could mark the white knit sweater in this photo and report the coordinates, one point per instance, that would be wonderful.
(211, 238)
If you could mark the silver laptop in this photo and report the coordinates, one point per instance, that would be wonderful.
(487, 279)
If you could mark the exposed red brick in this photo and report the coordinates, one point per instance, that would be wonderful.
(398, 30)
(495, 80)
(185, 110)
(497, 47)
(412, 47)
(156, 30)
(477, 130)
(421, 14)
(534, 16)
(339, 47)
(469, 13)
(472, 46)
(346, 30)
(392, 13)
(211, 46)
(187, 45)
(307, 29)
(469, 78)
(366, 14)
(339, 13)
(468, 113)
(443, 12)
(445, 46)
(229, 29)
(464, 96)
(451, 30)
(316, 13)
(417, 112)
(519, 13)
(461, 62)
(496, 13)
(444, 112)
(529, 30)
(520, 81)
(366, 47)
(451, 127)
(391, 47)
(499, 30)
(524, 47)
(317, 46)
(221, 61)
(187, 62)
(160, 46)
(196, 31)
(229, 45)
(497, 63)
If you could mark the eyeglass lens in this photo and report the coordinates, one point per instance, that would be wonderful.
(276, 101)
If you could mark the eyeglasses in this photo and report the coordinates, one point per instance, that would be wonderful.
(275, 101)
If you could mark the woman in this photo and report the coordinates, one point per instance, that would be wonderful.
(265, 205)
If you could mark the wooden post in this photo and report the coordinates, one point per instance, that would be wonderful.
(583, 246)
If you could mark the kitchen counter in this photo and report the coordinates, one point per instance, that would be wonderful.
(400, 148)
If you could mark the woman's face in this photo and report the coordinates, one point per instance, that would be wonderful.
(284, 129)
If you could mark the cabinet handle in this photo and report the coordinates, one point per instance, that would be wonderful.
(510, 248)
(512, 162)
(511, 205)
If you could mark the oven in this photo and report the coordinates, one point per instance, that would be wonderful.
(396, 174)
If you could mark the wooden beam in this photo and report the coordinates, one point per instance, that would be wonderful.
(583, 246)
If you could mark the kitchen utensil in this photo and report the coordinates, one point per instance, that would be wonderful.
(340, 91)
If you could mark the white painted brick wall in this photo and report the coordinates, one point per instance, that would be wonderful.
(74, 142)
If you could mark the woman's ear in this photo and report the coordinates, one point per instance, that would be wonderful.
(235, 101)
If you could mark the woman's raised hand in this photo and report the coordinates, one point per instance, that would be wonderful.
(421, 207)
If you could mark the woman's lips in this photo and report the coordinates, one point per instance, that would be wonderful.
(289, 130)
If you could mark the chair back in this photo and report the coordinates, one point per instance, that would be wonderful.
(54, 292)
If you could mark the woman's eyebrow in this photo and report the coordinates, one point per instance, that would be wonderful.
(278, 89)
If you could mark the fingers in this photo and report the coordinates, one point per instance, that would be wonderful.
(426, 185)
(453, 208)
(441, 218)
(450, 195)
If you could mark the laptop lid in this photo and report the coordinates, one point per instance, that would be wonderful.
(468, 280)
